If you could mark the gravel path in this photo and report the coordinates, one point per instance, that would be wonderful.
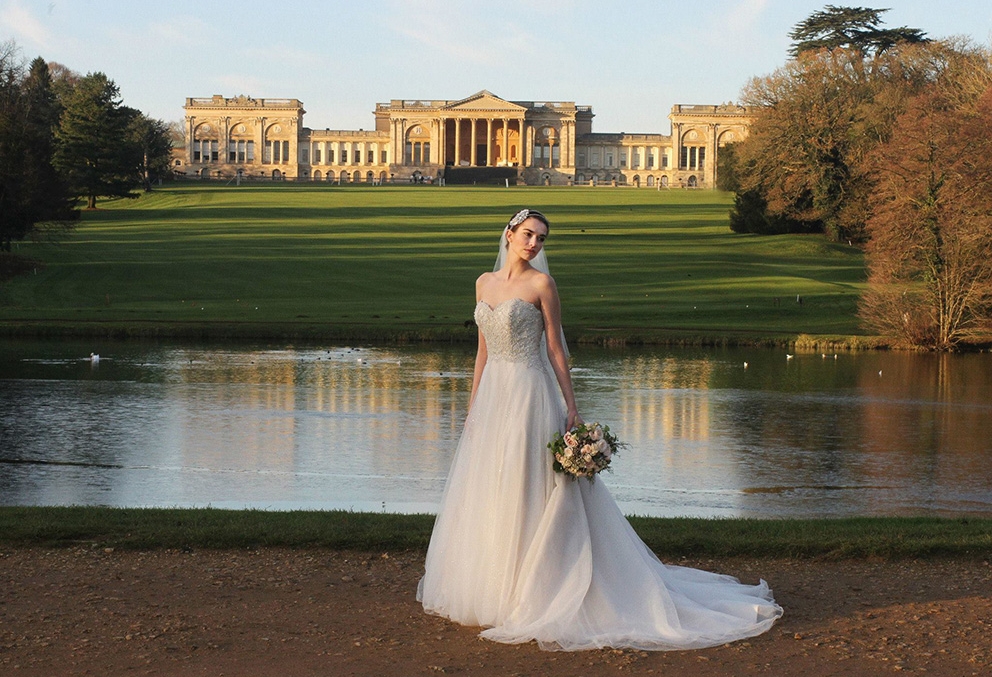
(319, 612)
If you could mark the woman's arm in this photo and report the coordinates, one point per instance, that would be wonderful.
(481, 354)
(551, 308)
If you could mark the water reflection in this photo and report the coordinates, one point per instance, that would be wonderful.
(374, 428)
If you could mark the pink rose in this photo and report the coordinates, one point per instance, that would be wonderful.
(570, 440)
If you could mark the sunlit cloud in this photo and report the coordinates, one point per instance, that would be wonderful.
(25, 26)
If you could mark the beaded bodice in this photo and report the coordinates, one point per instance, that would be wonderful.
(513, 331)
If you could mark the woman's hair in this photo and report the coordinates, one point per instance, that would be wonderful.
(525, 214)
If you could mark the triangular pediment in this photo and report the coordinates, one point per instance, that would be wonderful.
(484, 101)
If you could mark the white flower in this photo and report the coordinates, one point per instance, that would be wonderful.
(604, 448)
(596, 434)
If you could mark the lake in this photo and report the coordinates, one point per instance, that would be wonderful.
(281, 427)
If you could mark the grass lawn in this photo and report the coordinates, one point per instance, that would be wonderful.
(150, 528)
(400, 261)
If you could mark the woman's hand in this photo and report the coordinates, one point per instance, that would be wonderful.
(574, 420)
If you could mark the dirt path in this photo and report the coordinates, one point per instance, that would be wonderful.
(318, 612)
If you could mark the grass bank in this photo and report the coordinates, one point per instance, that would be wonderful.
(889, 538)
(399, 263)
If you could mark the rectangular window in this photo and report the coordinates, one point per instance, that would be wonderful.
(623, 159)
(267, 152)
(316, 154)
(582, 159)
(371, 157)
(241, 151)
(384, 157)
(358, 157)
(277, 152)
(214, 151)
(232, 151)
(427, 153)
(305, 156)
(285, 152)
(251, 151)
(702, 157)
(408, 154)
(416, 153)
(664, 160)
(684, 159)
(650, 160)
(196, 153)
(330, 156)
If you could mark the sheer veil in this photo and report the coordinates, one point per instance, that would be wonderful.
(540, 262)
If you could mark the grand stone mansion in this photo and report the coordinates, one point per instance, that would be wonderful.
(479, 138)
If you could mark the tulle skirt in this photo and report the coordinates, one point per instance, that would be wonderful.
(530, 554)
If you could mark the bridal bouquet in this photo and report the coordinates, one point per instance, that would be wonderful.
(585, 450)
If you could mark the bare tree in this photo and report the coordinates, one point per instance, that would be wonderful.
(930, 252)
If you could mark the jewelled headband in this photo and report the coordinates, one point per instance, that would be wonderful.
(525, 214)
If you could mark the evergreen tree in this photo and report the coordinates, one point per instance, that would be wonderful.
(856, 28)
(152, 147)
(93, 151)
(33, 198)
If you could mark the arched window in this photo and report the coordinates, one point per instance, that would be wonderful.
(547, 150)
(206, 143)
(417, 148)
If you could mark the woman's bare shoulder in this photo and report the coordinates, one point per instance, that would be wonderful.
(543, 281)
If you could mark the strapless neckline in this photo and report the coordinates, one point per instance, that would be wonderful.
(507, 301)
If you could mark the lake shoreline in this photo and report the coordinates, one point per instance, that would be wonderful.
(889, 538)
(433, 333)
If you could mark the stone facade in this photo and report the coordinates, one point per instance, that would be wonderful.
(536, 142)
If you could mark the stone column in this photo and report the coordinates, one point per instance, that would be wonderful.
(506, 142)
(489, 142)
(458, 142)
(473, 148)
(189, 140)
(711, 153)
(522, 141)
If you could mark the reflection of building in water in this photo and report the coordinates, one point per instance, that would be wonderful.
(348, 412)
(533, 142)
(682, 407)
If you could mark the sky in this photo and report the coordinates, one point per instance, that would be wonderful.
(631, 60)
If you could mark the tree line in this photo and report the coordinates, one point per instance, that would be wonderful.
(66, 138)
(880, 138)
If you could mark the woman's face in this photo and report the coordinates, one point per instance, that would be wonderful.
(527, 240)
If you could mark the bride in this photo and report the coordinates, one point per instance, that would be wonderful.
(530, 554)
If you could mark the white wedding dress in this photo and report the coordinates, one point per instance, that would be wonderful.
(531, 554)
